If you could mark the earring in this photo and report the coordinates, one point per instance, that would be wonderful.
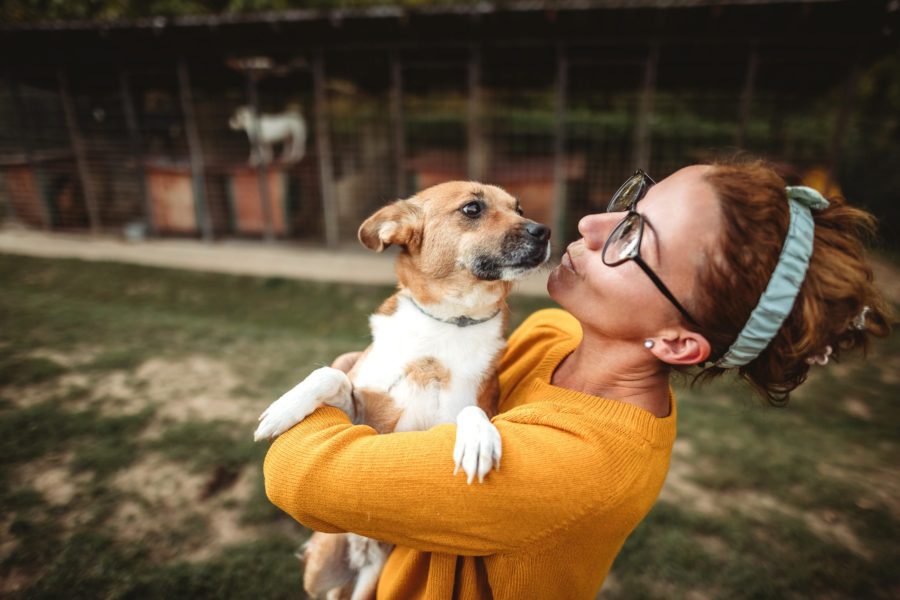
(648, 344)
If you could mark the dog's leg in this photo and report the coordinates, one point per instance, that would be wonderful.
(289, 150)
(366, 582)
(299, 140)
(322, 386)
(265, 152)
(478, 447)
(253, 161)
(368, 557)
(327, 569)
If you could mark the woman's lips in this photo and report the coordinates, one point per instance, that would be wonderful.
(566, 261)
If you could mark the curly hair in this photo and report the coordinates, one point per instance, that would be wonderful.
(838, 283)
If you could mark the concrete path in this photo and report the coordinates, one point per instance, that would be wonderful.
(280, 259)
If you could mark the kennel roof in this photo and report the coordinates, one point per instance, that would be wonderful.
(802, 42)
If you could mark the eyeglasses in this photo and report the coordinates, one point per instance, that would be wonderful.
(624, 243)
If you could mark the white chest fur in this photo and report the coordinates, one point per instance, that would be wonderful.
(408, 335)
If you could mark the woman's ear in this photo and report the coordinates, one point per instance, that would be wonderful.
(398, 223)
(681, 347)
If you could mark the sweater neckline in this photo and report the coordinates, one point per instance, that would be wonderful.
(655, 430)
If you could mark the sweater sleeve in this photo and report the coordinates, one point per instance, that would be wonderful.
(333, 476)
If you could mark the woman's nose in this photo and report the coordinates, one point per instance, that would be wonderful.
(595, 229)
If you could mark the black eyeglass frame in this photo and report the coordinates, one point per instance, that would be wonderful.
(635, 255)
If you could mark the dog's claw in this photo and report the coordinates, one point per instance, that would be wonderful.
(478, 448)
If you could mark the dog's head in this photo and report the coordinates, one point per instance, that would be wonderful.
(461, 227)
(241, 118)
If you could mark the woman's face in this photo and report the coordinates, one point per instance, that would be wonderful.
(681, 226)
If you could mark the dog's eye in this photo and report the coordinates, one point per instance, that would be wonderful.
(472, 209)
(519, 211)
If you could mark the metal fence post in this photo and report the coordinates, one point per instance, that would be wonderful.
(136, 146)
(843, 119)
(477, 150)
(397, 123)
(559, 146)
(747, 97)
(77, 142)
(323, 149)
(198, 170)
(23, 122)
(262, 172)
(642, 142)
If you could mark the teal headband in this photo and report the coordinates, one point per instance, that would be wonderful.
(776, 302)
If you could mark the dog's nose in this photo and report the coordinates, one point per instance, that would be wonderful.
(541, 232)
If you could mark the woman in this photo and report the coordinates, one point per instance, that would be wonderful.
(706, 268)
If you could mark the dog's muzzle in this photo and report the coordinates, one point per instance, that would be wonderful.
(520, 251)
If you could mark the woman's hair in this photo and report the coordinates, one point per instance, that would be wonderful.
(838, 284)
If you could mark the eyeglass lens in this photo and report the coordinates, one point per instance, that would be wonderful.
(624, 241)
(628, 193)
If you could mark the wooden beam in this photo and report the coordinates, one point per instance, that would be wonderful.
(477, 145)
(747, 96)
(195, 150)
(136, 147)
(559, 148)
(78, 149)
(11, 205)
(262, 172)
(642, 143)
(397, 124)
(21, 124)
(323, 149)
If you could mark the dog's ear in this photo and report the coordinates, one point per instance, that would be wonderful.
(398, 223)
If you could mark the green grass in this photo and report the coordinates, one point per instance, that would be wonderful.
(25, 370)
(772, 471)
(803, 498)
(221, 446)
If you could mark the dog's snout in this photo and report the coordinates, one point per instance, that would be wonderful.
(538, 231)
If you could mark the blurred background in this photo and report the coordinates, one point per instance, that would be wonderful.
(117, 114)
(170, 130)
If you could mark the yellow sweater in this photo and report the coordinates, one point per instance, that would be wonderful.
(578, 473)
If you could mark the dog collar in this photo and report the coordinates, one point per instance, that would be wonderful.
(461, 321)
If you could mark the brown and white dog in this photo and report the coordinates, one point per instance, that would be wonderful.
(434, 352)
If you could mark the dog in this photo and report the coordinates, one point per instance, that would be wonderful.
(434, 352)
(267, 129)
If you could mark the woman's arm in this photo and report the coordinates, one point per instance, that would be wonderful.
(399, 488)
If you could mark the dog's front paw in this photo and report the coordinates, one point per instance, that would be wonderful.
(478, 446)
(322, 386)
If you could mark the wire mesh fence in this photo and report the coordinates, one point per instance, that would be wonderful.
(303, 147)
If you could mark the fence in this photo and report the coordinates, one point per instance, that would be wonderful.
(147, 148)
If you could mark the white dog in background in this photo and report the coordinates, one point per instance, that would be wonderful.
(272, 129)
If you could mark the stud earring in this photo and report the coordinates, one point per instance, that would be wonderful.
(648, 344)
